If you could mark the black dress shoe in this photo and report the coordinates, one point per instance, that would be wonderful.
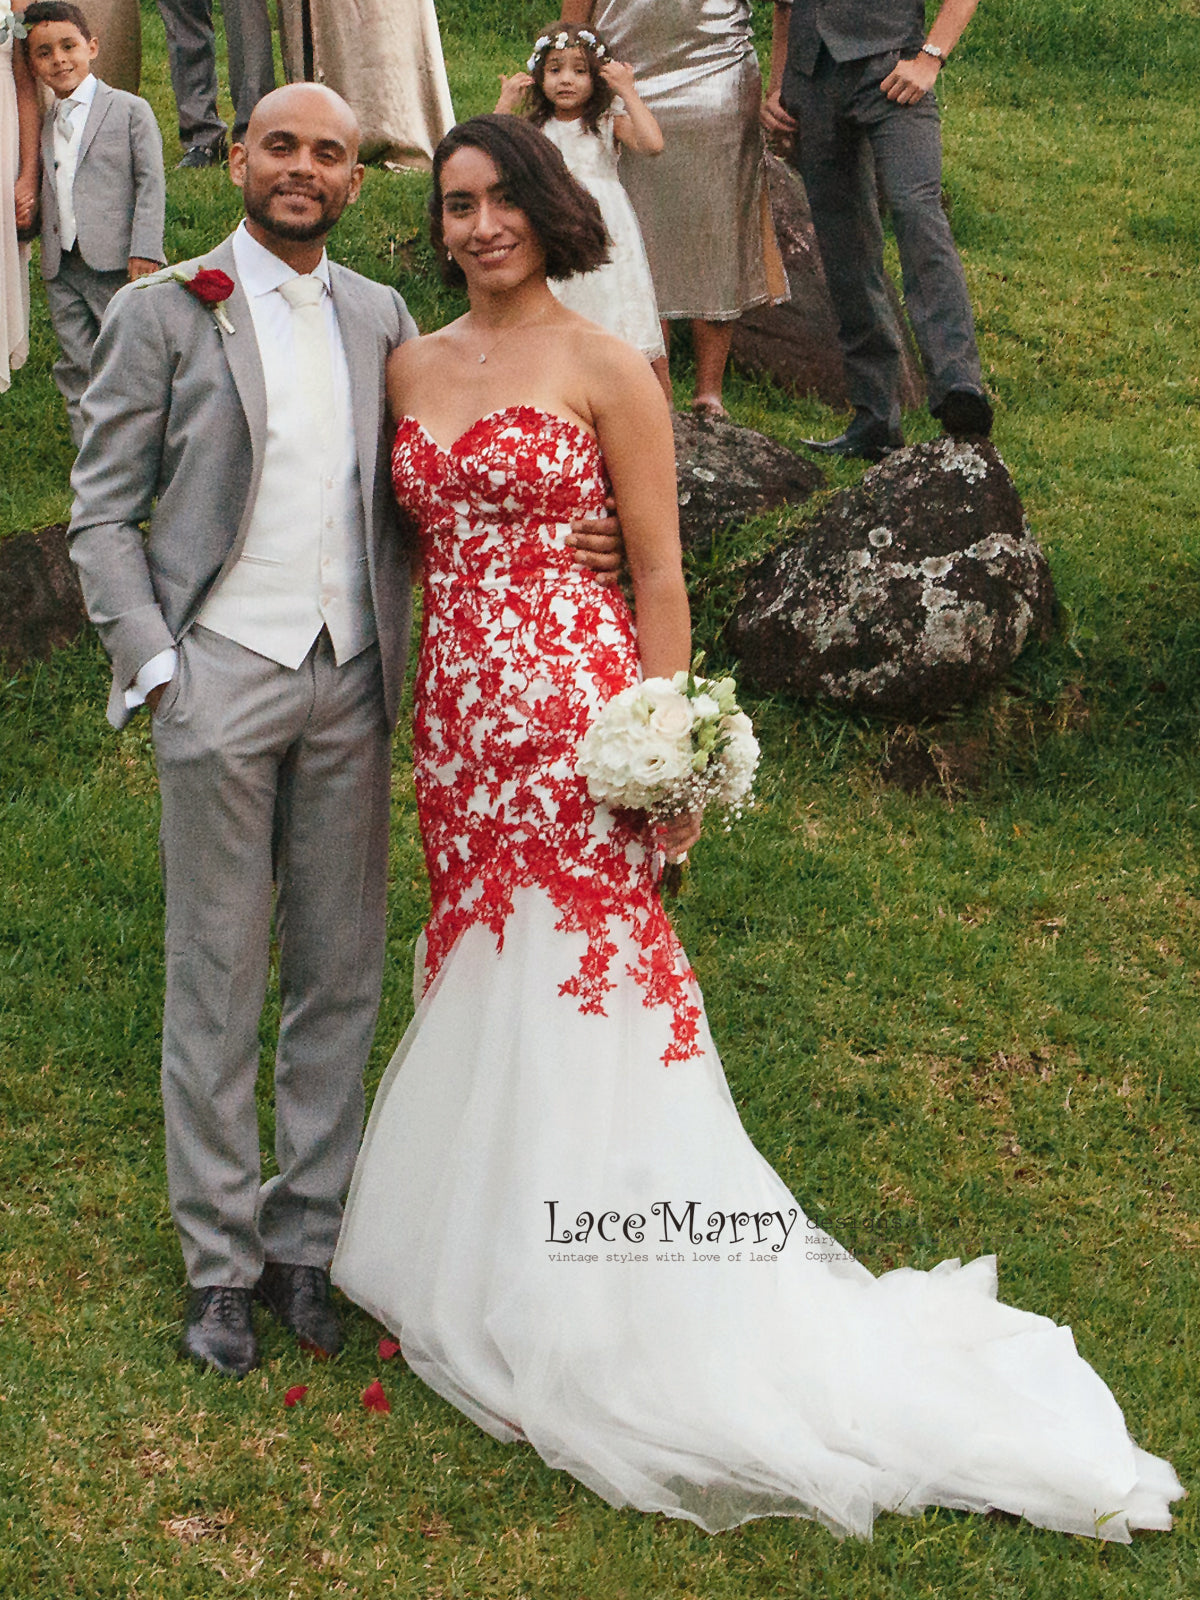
(204, 155)
(299, 1297)
(220, 1331)
(866, 437)
(965, 414)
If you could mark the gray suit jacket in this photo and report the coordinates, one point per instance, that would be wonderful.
(120, 190)
(852, 30)
(175, 422)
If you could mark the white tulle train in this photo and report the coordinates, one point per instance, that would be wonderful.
(716, 1379)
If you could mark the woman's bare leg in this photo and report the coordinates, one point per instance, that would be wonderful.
(712, 341)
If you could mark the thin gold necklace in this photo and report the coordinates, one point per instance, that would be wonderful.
(517, 327)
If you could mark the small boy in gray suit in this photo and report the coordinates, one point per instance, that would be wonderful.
(103, 189)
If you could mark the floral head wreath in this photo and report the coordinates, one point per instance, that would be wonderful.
(563, 41)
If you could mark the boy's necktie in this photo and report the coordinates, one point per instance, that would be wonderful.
(65, 179)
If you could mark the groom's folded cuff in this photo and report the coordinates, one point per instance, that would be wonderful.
(132, 637)
(159, 669)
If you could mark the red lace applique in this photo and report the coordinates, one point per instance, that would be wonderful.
(519, 650)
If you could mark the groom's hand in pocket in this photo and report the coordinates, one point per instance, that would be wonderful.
(598, 544)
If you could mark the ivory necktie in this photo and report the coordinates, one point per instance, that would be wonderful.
(314, 365)
(65, 172)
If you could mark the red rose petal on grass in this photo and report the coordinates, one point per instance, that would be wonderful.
(211, 286)
(388, 1349)
(294, 1395)
(374, 1399)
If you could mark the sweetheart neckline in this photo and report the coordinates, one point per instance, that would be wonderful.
(490, 416)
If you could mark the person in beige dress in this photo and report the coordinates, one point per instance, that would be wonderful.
(702, 205)
(20, 123)
(385, 58)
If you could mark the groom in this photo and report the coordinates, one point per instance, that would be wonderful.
(264, 619)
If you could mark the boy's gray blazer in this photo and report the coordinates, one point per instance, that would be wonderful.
(175, 421)
(120, 189)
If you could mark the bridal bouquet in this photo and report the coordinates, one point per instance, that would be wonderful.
(670, 746)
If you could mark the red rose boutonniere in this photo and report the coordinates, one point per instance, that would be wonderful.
(209, 285)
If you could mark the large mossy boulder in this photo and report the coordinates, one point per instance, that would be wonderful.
(909, 594)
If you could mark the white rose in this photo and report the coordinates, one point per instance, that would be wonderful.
(656, 767)
(671, 718)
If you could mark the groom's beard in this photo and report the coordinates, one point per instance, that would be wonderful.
(259, 209)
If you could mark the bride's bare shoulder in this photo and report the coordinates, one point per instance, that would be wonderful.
(416, 354)
(616, 374)
(411, 363)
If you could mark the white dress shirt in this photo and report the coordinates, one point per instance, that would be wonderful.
(70, 119)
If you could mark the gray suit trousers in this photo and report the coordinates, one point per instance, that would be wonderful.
(275, 788)
(78, 297)
(192, 50)
(850, 132)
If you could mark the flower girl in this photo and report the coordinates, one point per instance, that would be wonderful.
(570, 91)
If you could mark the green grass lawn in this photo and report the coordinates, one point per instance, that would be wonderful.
(957, 1022)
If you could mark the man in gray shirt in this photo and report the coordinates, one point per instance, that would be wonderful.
(854, 80)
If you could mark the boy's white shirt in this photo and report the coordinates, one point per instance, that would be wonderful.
(68, 133)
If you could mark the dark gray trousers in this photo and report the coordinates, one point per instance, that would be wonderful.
(192, 51)
(850, 135)
(275, 790)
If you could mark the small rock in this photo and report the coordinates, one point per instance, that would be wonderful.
(909, 594)
(41, 605)
(727, 474)
(796, 343)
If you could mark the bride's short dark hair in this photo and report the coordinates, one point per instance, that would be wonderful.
(563, 215)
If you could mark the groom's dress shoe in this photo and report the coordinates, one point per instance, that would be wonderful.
(220, 1332)
(299, 1297)
(965, 414)
(867, 437)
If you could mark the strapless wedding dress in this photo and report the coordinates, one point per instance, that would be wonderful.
(556, 1210)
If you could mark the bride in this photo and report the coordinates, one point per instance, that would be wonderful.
(556, 1209)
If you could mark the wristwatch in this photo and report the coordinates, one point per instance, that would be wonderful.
(932, 50)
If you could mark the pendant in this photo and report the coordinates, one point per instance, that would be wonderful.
(483, 358)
